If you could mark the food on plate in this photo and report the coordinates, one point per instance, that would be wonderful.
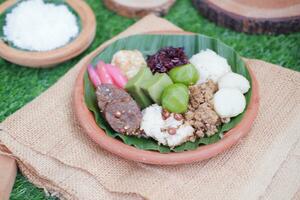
(38, 25)
(103, 73)
(229, 102)
(234, 80)
(178, 106)
(186, 74)
(175, 98)
(166, 130)
(201, 114)
(110, 74)
(155, 86)
(210, 65)
(118, 78)
(93, 76)
(108, 93)
(119, 109)
(123, 116)
(129, 61)
(134, 85)
(167, 58)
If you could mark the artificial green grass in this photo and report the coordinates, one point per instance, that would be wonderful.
(19, 85)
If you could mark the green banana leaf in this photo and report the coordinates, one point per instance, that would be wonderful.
(149, 44)
(9, 10)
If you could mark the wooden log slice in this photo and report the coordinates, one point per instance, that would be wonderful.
(253, 16)
(139, 8)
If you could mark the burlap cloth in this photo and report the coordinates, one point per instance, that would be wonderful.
(54, 154)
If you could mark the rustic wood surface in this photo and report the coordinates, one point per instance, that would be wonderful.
(139, 8)
(53, 57)
(253, 16)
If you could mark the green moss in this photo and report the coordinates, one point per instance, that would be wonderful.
(19, 85)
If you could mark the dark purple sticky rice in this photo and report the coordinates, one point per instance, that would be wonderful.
(167, 58)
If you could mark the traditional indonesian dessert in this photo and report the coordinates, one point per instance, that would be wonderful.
(168, 97)
(120, 110)
(38, 25)
(166, 58)
(129, 62)
(210, 65)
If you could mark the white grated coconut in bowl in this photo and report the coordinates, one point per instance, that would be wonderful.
(210, 65)
(156, 127)
(38, 26)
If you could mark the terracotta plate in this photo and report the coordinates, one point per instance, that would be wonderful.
(53, 57)
(90, 127)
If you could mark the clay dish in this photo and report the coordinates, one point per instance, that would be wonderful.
(53, 57)
(89, 126)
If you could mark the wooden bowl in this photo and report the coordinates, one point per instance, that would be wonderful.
(90, 127)
(53, 57)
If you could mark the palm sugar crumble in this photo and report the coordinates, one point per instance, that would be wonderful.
(201, 114)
